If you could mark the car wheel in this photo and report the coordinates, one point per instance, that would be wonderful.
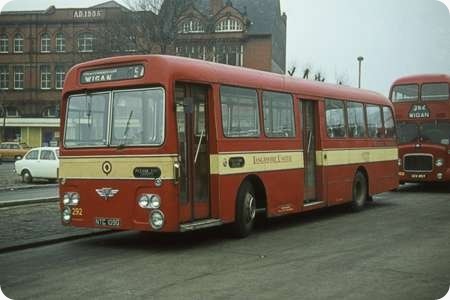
(245, 210)
(26, 176)
(359, 192)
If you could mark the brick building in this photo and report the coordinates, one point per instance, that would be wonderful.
(38, 47)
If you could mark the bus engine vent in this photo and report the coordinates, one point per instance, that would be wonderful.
(420, 162)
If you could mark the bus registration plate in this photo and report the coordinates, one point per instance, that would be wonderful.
(107, 222)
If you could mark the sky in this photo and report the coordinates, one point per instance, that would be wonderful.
(395, 37)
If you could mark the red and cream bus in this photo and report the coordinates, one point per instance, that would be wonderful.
(422, 108)
(161, 143)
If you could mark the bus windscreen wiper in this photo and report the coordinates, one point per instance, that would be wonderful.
(125, 132)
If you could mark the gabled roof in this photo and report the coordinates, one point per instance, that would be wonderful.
(109, 4)
(261, 13)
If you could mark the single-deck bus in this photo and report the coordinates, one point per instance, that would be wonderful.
(422, 108)
(164, 143)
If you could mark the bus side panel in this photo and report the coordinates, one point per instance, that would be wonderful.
(339, 183)
(284, 191)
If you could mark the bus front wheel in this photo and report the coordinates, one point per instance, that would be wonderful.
(359, 192)
(245, 210)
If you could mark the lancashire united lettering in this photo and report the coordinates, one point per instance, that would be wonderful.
(271, 159)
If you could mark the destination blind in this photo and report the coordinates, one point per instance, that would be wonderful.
(112, 74)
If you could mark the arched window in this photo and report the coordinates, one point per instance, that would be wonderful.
(86, 42)
(4, 43)
(11, 111)
(50, 111)
(229, 25)
(60, 42)
(45, 42)
(18, 43)
(191, 26)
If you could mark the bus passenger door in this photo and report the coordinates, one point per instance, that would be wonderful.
(309, 151)
(191, 108)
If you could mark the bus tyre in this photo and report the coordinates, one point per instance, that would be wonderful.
(245, 210)
(26, 176)
(359, 192)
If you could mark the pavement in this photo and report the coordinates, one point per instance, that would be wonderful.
(28, 223)
(32, 225)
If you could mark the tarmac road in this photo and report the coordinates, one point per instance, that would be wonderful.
(398, 248)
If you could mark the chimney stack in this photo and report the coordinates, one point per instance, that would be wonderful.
(215, 6)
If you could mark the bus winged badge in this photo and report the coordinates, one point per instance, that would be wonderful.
(106, 193)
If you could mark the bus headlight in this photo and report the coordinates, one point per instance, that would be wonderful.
(71, 198)
(66, 214)
(157, 219)
(399, 162)
(149, 201)
(439, 162)
(439, 176)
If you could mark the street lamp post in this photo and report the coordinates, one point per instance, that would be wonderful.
(360, 59)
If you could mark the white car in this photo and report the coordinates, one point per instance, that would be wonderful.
(42, 162)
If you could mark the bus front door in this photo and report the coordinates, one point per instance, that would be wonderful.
(191, 109)
(309, 152)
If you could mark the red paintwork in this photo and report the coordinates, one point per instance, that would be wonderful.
(283, 189)
(439, 110)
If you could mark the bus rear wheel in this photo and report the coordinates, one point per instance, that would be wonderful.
(245, 210)
(359, 192)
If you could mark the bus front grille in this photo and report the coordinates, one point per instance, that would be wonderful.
(418, 163)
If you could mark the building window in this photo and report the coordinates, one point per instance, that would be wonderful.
(229, 25)
(229, 54)
(50, 112)
(60, 74)
(18, 43)
(60, 42)
(46, 77)
(86, 42)
(19, 75)
(4, 43)
(192, 51)
(4, 77)
(191, 26)
(11, 111)
(45, 42)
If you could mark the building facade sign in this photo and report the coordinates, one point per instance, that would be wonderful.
(87, 13)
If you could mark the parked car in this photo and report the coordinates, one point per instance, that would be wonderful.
(13, 150)
(42, 162)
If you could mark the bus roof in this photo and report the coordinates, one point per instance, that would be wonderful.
(422, 78)
(181, 68)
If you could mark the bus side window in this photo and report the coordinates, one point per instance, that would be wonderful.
(389, 124)
(240, 112)
(355, 119)
(335, 119)
(278, 115)
(374, 121)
